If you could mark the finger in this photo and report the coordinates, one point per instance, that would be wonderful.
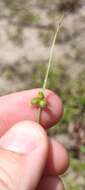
(58, 160)
(23, 153)
(51, 183)
(17, 107)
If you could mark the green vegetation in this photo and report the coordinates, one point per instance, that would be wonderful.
(21, 12)
(15, 34)
(74, 182)
(45, 36)
(77, 165)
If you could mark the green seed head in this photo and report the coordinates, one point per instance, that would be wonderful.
(35, 101)
(41, 95)
(40, 100)
(42, 103)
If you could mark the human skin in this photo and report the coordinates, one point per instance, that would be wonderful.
(29, 159)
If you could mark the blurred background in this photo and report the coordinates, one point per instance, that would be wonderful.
(26, 32)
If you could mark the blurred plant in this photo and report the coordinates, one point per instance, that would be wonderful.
(27, 17)
(15, 34)
(20, 13)
(82, 149)
(71, 185)
(68, 5)
(45, 36)
(72, 178)
(78, 166)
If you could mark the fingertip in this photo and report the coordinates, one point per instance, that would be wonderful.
(58, 159)
(54, 110)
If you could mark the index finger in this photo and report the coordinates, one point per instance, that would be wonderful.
(17, 107)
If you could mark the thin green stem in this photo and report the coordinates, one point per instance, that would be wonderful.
(38, 115)
(50, 61)
(64, 183)
(51, 52)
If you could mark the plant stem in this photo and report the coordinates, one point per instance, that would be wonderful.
(51, 52)
(50, 61)
(38, 115)
(64, 183)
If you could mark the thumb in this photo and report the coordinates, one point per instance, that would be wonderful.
(23, 153)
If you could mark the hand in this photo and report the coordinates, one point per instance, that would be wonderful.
(30, 160)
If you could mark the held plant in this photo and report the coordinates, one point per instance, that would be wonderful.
(40, 100)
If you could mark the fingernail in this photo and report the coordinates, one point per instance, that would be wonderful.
(23, 137)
